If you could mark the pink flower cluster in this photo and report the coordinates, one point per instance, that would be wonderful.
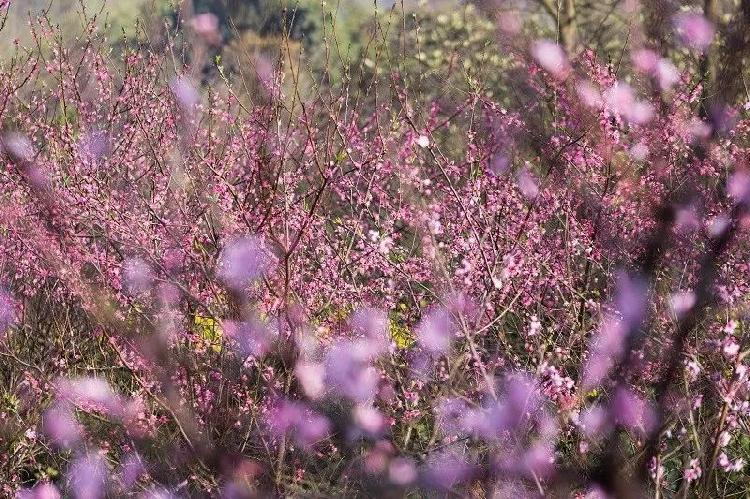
(376, 298)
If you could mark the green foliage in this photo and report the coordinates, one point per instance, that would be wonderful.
(444, 54)
(115, 18)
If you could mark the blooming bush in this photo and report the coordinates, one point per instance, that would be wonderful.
(335, 293)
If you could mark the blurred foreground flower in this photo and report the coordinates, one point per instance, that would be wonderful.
(40, 491)
(206, 26)
(551, 57)
(695, 31)
(242, 261)
(7, 311)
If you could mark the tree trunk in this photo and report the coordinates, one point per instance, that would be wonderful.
(569, 28)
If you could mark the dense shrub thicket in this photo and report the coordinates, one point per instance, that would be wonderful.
(258, 280)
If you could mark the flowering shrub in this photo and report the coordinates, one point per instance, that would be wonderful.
(340, 294)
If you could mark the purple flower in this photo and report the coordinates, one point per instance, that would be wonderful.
(589, 94)
(645, 60)
(311, 376)
(402, 471)
(538, 460)
(632, 411)
(137, 276)
(551, 57)
(693, 472)
(368, 419)
(630, 300)
(527, 184)
(90, 393)
(60, 425)
(682, 302)
(728, 465)
(451, 416)
(206, 26)
(18, 147)
(373, 324)
(594, 421)
(607, 347)
(519, 403)
(132, 470)
(306, 426)
(349, 372)
(499, 164)
(185, 93)
(253, 337)
(445, 470)
(621, 99)
(158, 493)
(649, 62)
(694, 30)
(88, 477)
(738, 187)
(243, 260)
(435, 331)
(40, 491)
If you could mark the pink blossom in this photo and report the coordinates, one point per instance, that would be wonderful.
(435, 331)
(88, 476)
(311, 376)
(631, 410)
(728, 465)
(693, 472)
(206, 26)
(40, 491)
(137, 276)
(551, 57)
(527, 184)
(402, 471)
(60, 426)
(623, 101)
(682, 302)
(694, 30)
(534, 326)
(185, 93)
(243, 260)
(368, 419)
(738, 187)
(724, 439)
(730, 347)
(589, 94)
(253, 337)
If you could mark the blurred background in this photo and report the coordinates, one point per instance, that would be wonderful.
(438, 46)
